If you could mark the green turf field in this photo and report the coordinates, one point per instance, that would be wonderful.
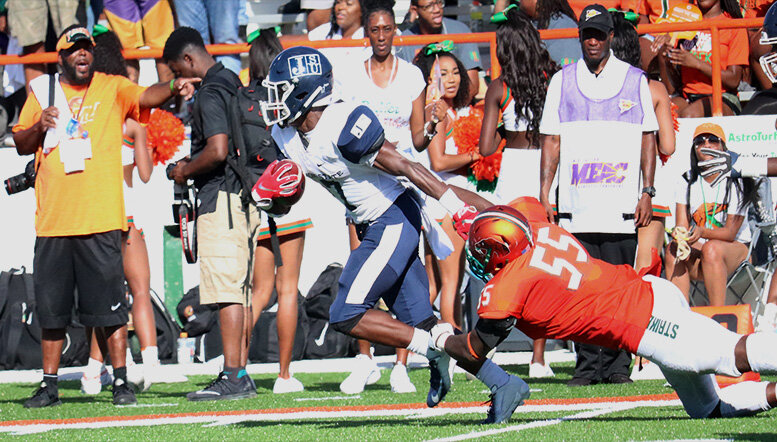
(323, 413)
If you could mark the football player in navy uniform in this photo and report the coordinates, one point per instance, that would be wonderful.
(341, 146)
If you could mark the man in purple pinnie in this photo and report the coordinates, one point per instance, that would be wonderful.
(598, 130)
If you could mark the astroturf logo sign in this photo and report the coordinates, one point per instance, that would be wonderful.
(663, 327)
(599, 173)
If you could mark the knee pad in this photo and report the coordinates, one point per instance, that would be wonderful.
(743, 399)
(493, 331)
(346, 326)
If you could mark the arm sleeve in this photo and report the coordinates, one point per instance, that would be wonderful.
(649, 121)
(550, 123)
(29, 115)
(128, 94)
(361, 137)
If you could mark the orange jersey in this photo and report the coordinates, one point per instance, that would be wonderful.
(90, 201)
(558, 291)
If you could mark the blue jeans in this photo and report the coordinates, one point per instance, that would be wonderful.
(217, 18)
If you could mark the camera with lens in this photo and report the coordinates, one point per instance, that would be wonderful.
(23, 181)
(183, 205)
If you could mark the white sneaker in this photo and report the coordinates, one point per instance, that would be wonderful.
(767, 322)
(537, 370)
(365, 372)
(400, 381)
(290, 385)
(135, 375)
(92, 385)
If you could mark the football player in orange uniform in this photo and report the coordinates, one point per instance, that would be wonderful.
(542, 281)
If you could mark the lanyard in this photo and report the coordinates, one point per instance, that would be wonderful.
(710, 219)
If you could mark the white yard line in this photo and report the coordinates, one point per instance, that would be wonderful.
(220, 419)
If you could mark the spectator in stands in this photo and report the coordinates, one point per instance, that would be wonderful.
(687, 69)
(430, 22)
(345, 22)
(626, 47)
(80, 216)
(291, 237)
(447, 162)
(516, 98)
(710, 238)
(394, 90)
(226, 230)
(216, 21)
(134, 155)
(28, 21)
(757, 8)
(599, 210)
(140, 23)
(550, 14)
(318, 12)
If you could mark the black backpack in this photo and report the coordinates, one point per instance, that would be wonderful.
(252, 148)
(322, 341)
(167, 333)
(20, 333)
(264, 339)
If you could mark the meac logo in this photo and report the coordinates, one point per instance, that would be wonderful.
(599, 173)
(301, 65)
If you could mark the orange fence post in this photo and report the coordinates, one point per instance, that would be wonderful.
(717, 82)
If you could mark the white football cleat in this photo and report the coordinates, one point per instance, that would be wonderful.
(92, 385)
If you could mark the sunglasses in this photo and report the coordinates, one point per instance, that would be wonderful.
(701, 139)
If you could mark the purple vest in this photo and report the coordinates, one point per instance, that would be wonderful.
(625, 106)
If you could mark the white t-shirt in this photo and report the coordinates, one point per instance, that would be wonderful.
(392, 104)
(605, 85)
(340, 58)
(703, 194)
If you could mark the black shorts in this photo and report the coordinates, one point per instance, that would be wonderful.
(92, 265)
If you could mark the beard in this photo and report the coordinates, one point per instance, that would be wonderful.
(69, 71)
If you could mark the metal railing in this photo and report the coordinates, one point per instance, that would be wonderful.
(714, 26)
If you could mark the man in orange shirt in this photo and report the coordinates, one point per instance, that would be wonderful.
(79, 213)
(541, 280)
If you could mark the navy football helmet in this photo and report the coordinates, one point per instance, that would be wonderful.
(769, 37)
(300, 78)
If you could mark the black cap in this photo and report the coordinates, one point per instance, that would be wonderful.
(597, 17)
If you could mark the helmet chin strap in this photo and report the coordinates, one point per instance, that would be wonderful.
(309, 103)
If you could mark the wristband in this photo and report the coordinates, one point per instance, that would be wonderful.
(430, 134)
(752, 166)
(172, 86)
(451, 202)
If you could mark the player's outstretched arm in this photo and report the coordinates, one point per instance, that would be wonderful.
(391, 161)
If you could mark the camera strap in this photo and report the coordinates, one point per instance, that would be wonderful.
(188, 233)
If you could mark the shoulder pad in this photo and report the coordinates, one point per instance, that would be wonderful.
(361, 136)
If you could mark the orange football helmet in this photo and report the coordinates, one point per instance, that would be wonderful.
(498, 236)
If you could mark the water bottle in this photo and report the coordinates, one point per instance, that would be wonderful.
(185, 349)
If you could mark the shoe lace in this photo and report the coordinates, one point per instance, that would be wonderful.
(491, 414)
(218, 380)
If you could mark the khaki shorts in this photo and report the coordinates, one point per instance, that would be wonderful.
(226, 255)
(28, 19)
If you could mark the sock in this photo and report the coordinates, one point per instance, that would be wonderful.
(120, 373)
(421, 342)
(492, 375)
(93, 368)
(743, 399)
(760, 351)
(234, 373)
(51, 381)
(150, 355)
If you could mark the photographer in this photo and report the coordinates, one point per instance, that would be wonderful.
(226, 229)
(80, 208)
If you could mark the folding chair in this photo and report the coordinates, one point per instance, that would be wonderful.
(749, 283)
